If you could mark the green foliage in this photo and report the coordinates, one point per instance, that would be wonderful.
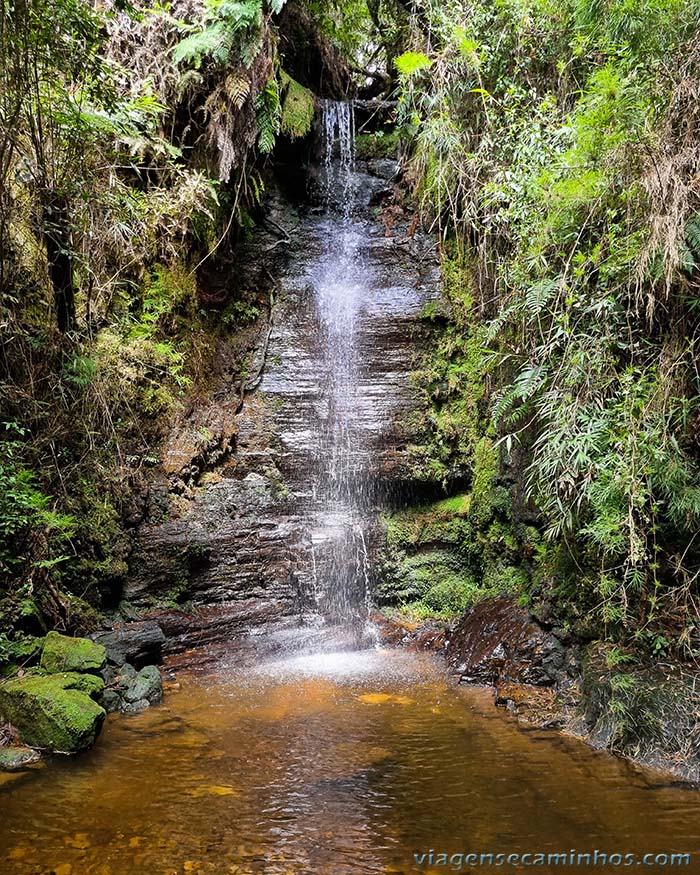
(268, 113)
(410, 63)
(25, 509)
(380, 144)
(227, 26)
(548, 144)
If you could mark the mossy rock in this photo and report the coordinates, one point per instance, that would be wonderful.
(55, 712)
(298, 108)
(62, 653)
(380, 144)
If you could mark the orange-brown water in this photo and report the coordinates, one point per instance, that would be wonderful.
(335, 764)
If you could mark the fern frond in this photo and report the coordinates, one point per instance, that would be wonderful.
(237, 89)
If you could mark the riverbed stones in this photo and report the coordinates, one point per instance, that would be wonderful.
(62, 653)
(146, 685)
(129, 690)
(57, 712)
(17, 757)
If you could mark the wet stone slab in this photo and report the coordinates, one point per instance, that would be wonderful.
(250, 534)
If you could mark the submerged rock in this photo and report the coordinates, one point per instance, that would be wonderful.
(12, 759)
(57, 713)
(62, 653)
(135, 707)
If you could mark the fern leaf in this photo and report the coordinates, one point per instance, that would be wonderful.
(237, 89)
(539, 295)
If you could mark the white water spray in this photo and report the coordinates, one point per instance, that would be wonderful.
(341, 285)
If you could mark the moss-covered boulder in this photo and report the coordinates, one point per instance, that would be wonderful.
(62, 653)
(56, 712)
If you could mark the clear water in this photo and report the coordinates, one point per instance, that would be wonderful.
(330, 764)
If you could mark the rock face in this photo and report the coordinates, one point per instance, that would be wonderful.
(57, 713)
(62, 653)
(139, 644)
(237, 534)
(498, 642)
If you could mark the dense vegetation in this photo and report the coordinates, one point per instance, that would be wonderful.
(132, 144)
(554, 147)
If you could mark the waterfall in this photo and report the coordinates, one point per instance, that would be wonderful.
(339, 151)
(341, 285)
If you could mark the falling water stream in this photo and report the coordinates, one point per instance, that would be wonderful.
(282, 761)
(341, 282)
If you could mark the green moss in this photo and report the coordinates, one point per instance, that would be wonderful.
(62, 653)
(298, 108)
(18, 651)
(380, 144)
(55, 712)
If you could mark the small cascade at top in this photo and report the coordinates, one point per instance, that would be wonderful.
(341, 287)
(339, 152)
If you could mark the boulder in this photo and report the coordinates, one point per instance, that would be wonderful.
(139, 643)
(64, 654)
(56, 712)
(497, 641)
(146, 685)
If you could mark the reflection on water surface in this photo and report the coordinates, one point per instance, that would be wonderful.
(331, 764)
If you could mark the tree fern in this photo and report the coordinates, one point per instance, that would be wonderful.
(227, 25)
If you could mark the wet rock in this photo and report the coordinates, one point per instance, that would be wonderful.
(423, 635)
(538, 706)
(497, 641)
(139, 644)
(234, 537)
(147, 685)
(56, 712)
(13, 759)
(135, 707)
(384, 168)
(62, 653)
(126, 686)
(111, 701)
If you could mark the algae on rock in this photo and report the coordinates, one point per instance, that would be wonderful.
(62, 653)
(55, 712)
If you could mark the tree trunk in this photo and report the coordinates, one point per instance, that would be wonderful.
(56, 234)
